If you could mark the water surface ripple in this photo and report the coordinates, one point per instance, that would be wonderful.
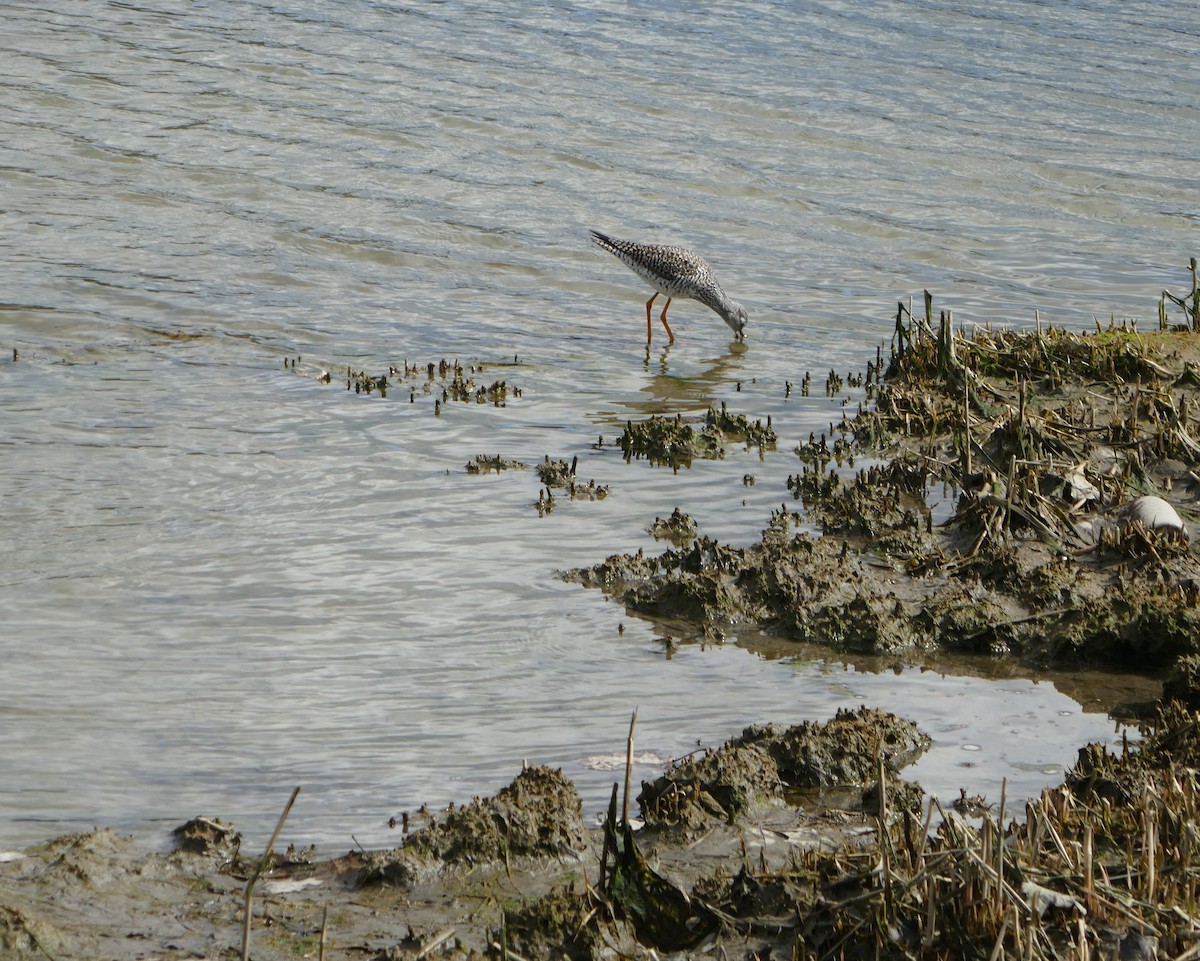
(220, 579)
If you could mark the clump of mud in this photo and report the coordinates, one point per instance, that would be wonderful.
(739, 428)
(811, 589)
(445, 381)
(883, 505)
(24, 935)
(63, 878)
(558, 475)
(566, 923)
(208, 836)
(718, 784)
(844, 750)
(493, 464)
(1182, 684)
(674, 442)
(538, 815)
(667, 441)
(679, 528)
(767, 759)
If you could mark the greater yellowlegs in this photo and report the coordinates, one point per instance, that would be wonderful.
(676, 272)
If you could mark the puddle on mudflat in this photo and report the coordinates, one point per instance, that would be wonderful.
(1094, 691)
(991, 720)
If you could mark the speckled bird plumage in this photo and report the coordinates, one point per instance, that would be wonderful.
(676, 272)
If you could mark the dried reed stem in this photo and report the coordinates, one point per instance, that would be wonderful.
(258, 870)
(628, 768)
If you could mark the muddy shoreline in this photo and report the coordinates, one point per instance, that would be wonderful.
(802, 841)
(1075, 466)
(1075, 462)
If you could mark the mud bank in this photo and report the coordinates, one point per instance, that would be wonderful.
(1062, 470)
(514, 865)
(733, 860)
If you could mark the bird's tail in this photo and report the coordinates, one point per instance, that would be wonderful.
(603, 240)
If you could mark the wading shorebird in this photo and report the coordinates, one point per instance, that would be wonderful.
(676, 272)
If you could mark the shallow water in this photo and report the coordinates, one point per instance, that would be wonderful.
(220, 579)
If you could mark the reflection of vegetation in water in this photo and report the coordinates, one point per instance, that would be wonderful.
(667, 393)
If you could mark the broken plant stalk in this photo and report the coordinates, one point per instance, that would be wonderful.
(258, 870)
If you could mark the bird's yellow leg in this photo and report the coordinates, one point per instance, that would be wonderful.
(649, 325)
(663, 318)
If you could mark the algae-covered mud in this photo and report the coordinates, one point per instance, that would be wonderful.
(673, 442)
(1018, 493)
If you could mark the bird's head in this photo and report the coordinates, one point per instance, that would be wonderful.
(737, 318)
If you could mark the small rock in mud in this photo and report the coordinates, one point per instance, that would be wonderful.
(1153, 513)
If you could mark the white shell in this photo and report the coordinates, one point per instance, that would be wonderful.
(1042, 899)
(290, 885)
(1154, 513)
(1081, 489)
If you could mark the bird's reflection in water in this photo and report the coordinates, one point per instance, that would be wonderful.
(670, 393)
